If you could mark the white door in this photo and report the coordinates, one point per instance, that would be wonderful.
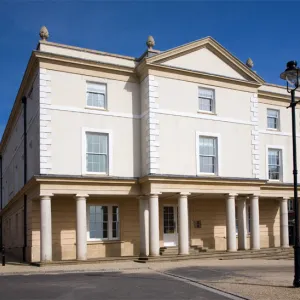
(170, 226)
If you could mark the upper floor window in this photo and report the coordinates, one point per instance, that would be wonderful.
(206, 100)
(290, 205)
(208, 154)
(103, 222)
(97, 152)
(274, 164)
(96, 95)
(273, 118)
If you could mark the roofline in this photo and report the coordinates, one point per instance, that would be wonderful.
(85, 50)
(214, 44)
(17, 103)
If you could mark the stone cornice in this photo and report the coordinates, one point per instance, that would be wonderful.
(65, 179)
(275, 96)
(200, 180)
(58, 58)
(197, 74)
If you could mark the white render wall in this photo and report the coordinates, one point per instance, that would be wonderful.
(179, 120)
(69, 116)
(13, 153)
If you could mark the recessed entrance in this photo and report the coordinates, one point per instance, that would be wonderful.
(170, 226)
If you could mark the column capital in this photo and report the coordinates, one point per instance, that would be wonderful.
(79, 196)
(154, 194)
(231, 195)
(46, 196)
(184, 194)
(283, 198)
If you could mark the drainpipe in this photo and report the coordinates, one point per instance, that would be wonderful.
(1, 204)
(24, 101)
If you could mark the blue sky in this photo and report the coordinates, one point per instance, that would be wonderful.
(268, 31)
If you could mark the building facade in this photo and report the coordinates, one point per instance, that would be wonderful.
(106, 155)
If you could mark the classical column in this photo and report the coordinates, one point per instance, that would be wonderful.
(230, 223)
(183, 224)
(154, 224)
(242, 223)
(46, 229)
(254, 230)
(284, 223)
(144, 226)
(81, 228)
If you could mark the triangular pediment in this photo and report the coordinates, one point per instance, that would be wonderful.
(206, 56)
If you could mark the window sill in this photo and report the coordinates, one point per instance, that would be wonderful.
(95, 174)
(207, 174)
(95, 108)
(206, 112)
(273, 129)
(275, 180)
(105, 242)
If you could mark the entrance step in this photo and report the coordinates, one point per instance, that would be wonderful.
(171, 254)
(194, 250)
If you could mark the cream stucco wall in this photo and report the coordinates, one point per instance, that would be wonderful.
(204, 60)
(178, 146)
(182, 97)
(179, 121)
(67, 147)
(13, 152)
(69, 90)
(70, 116)
(281, 139)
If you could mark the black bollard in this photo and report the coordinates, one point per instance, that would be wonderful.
(3, 256)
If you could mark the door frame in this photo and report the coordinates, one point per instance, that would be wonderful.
(171, 240)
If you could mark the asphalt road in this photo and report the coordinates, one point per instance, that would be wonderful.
(102, 285)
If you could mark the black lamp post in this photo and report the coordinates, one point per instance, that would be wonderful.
(292, 77)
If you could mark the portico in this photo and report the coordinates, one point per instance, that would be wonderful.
(139, 225)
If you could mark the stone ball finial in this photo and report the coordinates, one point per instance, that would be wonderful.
(249, 63)
(44, 34)
(150, 42)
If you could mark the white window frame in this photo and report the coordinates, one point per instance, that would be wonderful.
(105, 95)
(213, 110)
(278, 119)
(110, 222)
(86, 130)
(218, 158)
(281, 175)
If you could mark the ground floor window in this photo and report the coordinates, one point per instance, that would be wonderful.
(103, 222)
(248, 219)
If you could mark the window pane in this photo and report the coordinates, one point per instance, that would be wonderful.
(274, 164)
(97, 150)
(103, 143)
(205, 104)
(206, 93)
(272, 118)
(98, 222)
(96, 93)
(273, 113)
